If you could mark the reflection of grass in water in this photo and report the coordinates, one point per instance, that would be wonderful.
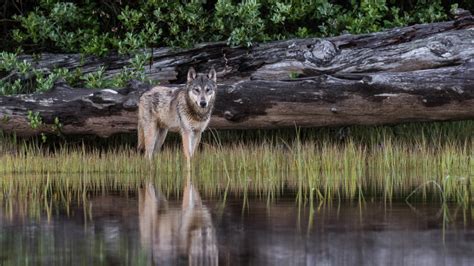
(435, 160)
(40, 199)
(372, 161)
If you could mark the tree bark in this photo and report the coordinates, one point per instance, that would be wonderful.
(416, 73)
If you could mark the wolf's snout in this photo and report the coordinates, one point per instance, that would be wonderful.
(203, 104)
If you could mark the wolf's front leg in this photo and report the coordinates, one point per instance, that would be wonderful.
(187, 138)
(160, 139)
(196, 139)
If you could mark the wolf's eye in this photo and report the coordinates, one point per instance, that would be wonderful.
(196, 90)
(208, 90)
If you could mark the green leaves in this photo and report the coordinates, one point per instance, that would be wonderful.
(95, 79)
(130, 27)
(44, 82)
(430, 11)
(243, 21)
(98, 28)
(130, 18)
(279, 12)
(7, 88)
(8, 61)
(34, 119)
(97, 45)
(60, 25)
(25, 73)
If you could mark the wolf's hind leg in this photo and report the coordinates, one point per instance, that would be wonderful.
(162, 132)
(150, 133)
(141, 137)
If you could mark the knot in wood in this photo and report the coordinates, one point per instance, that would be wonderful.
(235, 116)
(131, 104)
(106, 96)
(321, 52)
(441, 48)
(229, 115)
(366, 79)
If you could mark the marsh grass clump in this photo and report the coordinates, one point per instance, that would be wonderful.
(315, 164)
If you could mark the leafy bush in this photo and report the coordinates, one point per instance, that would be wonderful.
(103, 27)
(99, 27)
(27, 79)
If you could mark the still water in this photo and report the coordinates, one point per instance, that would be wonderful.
(145, 227)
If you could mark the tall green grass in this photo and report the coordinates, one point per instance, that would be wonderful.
(435, 160)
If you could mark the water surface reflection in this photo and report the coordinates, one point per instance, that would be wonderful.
(173, 234)
(147, 226)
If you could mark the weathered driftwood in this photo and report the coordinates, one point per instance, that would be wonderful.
(416, 73)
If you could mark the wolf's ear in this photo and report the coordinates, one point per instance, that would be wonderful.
(191, 74)
(212, 75)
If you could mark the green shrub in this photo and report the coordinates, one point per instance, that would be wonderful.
(127, 27)
(99, 27)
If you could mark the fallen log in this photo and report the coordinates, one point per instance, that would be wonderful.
(416, 73)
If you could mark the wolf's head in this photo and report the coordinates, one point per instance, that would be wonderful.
(202, 88)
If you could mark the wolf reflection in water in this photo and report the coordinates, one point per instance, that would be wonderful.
(172, 235)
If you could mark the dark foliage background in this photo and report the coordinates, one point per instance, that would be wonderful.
(127, 27)
(97, 27)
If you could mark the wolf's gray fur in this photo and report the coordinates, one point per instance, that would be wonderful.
(187, 111)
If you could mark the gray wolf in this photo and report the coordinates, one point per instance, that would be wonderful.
(185, 110)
